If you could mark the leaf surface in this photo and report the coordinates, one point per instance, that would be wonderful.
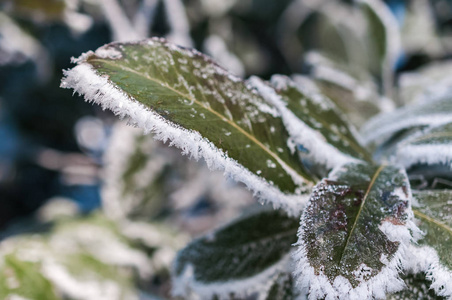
(184, 97)
(433, 147)
(246, 257)
(433, 212)
(320, 114)
(353, 233)
(434, 112)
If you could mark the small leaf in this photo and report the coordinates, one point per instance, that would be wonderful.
(242, 259)
(186, 98)
(433, 212)
(354, 232)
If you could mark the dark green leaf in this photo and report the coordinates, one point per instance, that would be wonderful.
(180, 94)
(433, 211)
(432, 147)
(351, 232)
(243, 258)
(320, 114)
(435, 112)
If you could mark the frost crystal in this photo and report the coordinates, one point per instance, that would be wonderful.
(84, 80)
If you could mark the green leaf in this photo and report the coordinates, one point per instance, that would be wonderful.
(359, 107)
(432, 147)
(351, 87)
(417, 287)
(420, 85)
(435, 111)
(186, 98)
(314, 147)
(354, 232)
(244, 258)
(39, 10)
(320, 114)
(433, 212)
(23, 278)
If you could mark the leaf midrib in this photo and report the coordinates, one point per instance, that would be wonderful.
(366, 195)
(221, 117)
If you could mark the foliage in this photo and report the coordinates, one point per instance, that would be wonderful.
(358, 230)
(374, 205)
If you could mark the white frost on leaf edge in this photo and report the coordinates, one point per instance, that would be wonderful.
(98, 89)
(410, 155)
(319, 150)
(425, 259)
(260, 284)
(386, 282)
(384, 125)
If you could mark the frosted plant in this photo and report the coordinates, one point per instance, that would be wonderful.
(363, 232)
(63, 256)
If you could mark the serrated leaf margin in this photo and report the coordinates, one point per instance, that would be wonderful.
(84, 80)
(425, 259)
(241, 288)
(317, 286)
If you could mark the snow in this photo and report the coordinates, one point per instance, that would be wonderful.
(319, 150)
(425, 259)
(98, 89)
(241, 288)
(433, 154)
(432, 113)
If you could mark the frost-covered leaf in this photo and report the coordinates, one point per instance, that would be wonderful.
(432, 147)
(322, 116)
(20, 278)
(433, 212)
(418, 32)
(366, 35)
(242, 259)
(428, 113)
(314, 148)
(384, 40)
(88, 257)
(417, 287)
(354, 233)
(431, 81)
(352, 88)
(185, 98)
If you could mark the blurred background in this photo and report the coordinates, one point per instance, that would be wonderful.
(91, 208)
